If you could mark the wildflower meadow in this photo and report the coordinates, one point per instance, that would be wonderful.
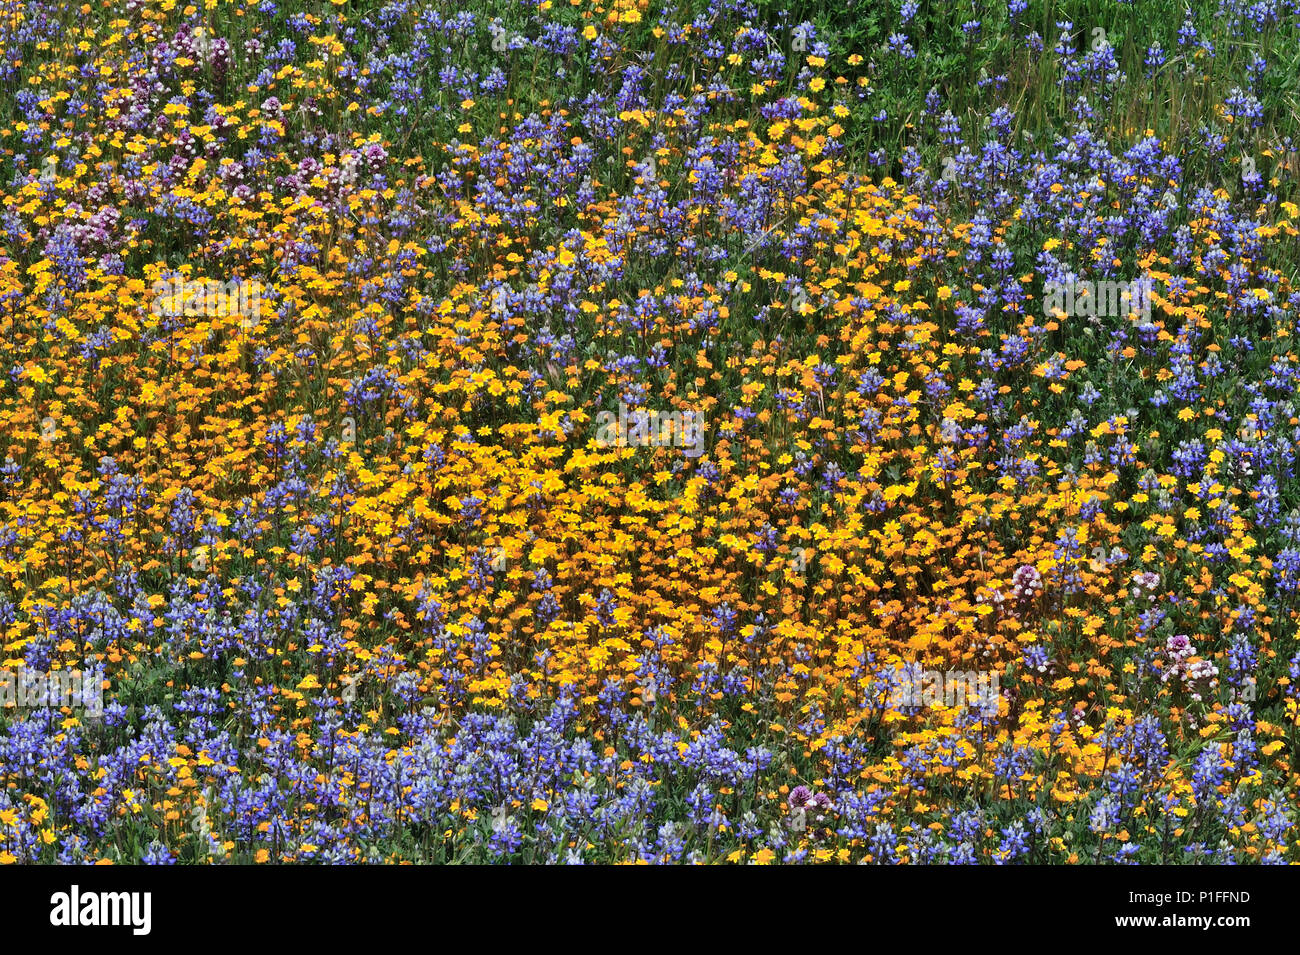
(649, 431)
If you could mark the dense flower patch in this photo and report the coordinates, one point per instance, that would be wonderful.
(562, 432)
